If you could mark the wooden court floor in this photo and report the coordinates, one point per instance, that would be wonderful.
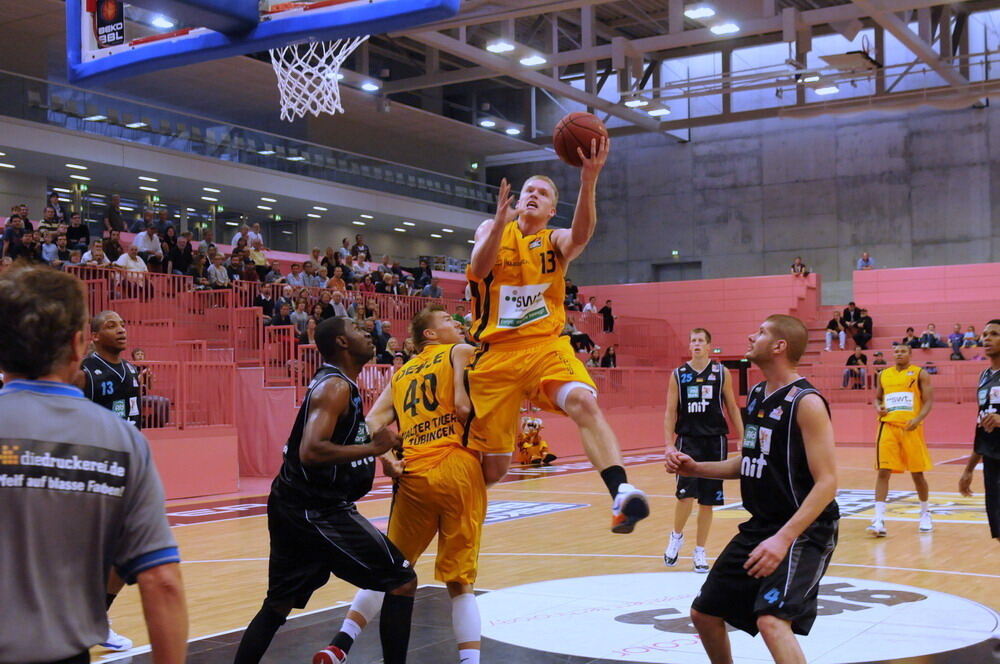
(554, 525)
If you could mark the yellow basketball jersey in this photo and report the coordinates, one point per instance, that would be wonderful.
(901, 393)
(423, 396)
(522, 299)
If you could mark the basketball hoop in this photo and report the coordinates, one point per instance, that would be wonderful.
(309, 76)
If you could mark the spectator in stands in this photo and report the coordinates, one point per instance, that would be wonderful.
(310, 277)
(74, 258)
(309, 336)
(179, 256)
(608, 314)
(255, 235)
(287, 297)
(63, 252)
(384, 284)
(460, 315)
(163, 221)
(345, 248)
(433, 289)
(247, 270)
(356, 269)
(95, 256)
(382, 334)
(594, 361)
(12, 235)
(31, 249)
(572, 302)
(339, 308)
(911, 339)
(131, 261)
(879, 361)
(422, 274)
(580, 341)
(398, 360)
(49, 222)
(265, 302)
(258, 258)
(274, 275)
(296, 277)
(283, 317)
(49, 250)
(138, 224)
(319, 312)
(866, 262)
(218, 275)
(610, 358)
(242, 234)
(77, 235)
(855, 374)
(169, 236)
(850, 317)
(833, 329)
(386, 354)
(207, 241)
(299, 317)
(53, 202)
(233, 264)
(970, 338)
(336, 282)
(955, 340)
(330, 259)
(863, 330)
(930, 367)
(366, 285)
(148, 243)
(385, 265)
(930, 338)
(397, 270)
(798, 268)
(360, 250)
(199, 272)
(591, 306)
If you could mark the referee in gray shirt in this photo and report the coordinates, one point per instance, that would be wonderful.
(78, 490)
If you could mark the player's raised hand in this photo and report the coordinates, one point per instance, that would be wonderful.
(965, 483)
(505, 202)
(680, 463)
(598, 156)
(766, 557)
(384, 440)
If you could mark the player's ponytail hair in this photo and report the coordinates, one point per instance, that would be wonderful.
(421, 322)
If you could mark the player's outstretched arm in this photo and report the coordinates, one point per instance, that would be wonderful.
(670, 414)
(328, 402)
(817, 436)
(165, 611)
(489, 234)
(460, 356)
(927, 401)
(732, 406)
(381, 414)
(682, 464)
(571, 242)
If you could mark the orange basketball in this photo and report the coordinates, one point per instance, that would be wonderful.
(577, 130)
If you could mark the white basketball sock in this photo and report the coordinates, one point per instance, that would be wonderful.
(350, 628)
(924, 507)
(465, 619)
(879, 510)
(468, 656)
(366, 602)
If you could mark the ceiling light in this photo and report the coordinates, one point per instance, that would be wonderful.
(636, 102)
(286, 232)
(148, 189)
(366, 216)
(93, 195)
(696, 12)
(190, 209)
(489, 124)
(162, 22)
(336, 75)
(126, 208)
(268, 200)
(136, 125)
(146, 178)
(59, 189)
(212, 190)
(78, 167)
(533, 60)
(232, 223)
(725, 29)
(265, 152)
(828, 90)
(3, 154)
(65, 200)
(264, 207)
(370, 86)
(95, 118)
(320, 208)
(657, 112)
(409, 223)
(471, 241)
(447, 230)
(435, 235)
(358, 223)
(6, 165)
(399, 230)
(297, 157)
(209, 198)
(811, 78)
(512, 131)
(500, 46)
(675, 253)
(313, 215)
(75, 177)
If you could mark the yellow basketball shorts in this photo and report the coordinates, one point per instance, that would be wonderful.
(500, 380)
(900, 450)
(448, 500)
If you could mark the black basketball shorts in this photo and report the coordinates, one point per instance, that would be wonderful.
(701, 448)
(789, 593)
(307, 546)
(991, 477)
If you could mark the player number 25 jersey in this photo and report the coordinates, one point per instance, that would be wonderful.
(423, 396)
(522, 297)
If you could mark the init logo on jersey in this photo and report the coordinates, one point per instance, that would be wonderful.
(752, 468)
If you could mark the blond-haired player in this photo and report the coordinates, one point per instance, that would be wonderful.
(439, 482)
(903, 400)
(517, 278)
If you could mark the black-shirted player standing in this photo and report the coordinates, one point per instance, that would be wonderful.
(315, 528)
(987, 440)
(767, 578)
(699, 394)
(114, 383)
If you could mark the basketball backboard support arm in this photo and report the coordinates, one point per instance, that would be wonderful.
(85, 62)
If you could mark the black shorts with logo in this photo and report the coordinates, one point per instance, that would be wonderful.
(307, 546)
(702, 448)
(789, 593)
(991, 477)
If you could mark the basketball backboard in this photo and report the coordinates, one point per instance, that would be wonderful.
(108, 39)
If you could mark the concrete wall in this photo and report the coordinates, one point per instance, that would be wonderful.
(17, 188)
(745, 199)
(401, 246)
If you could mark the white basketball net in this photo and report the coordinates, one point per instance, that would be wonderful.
(309, 76)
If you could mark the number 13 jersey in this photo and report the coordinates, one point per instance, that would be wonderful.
(520, 301)
(423, 396)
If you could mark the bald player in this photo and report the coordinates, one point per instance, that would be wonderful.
(767, 578)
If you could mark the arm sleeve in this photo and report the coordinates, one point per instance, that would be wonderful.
(145, 539)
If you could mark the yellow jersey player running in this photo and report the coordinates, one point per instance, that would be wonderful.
(439, 482)
(517, 278)
(903, 399)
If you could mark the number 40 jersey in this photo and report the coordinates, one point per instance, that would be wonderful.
(423, 396)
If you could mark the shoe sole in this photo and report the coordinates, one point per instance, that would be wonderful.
(634, 509)
(701, 570)
(326, 657)
(108, 646)
(926, 530)
(668, 563)
(877, 533)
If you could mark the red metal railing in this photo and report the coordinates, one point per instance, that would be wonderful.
(279, 354)
(184, 394)
(371, 381)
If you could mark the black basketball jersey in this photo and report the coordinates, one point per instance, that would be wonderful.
(699, 402)
(114, 386)
(988, 398)
(335, 486)
(774, 471)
